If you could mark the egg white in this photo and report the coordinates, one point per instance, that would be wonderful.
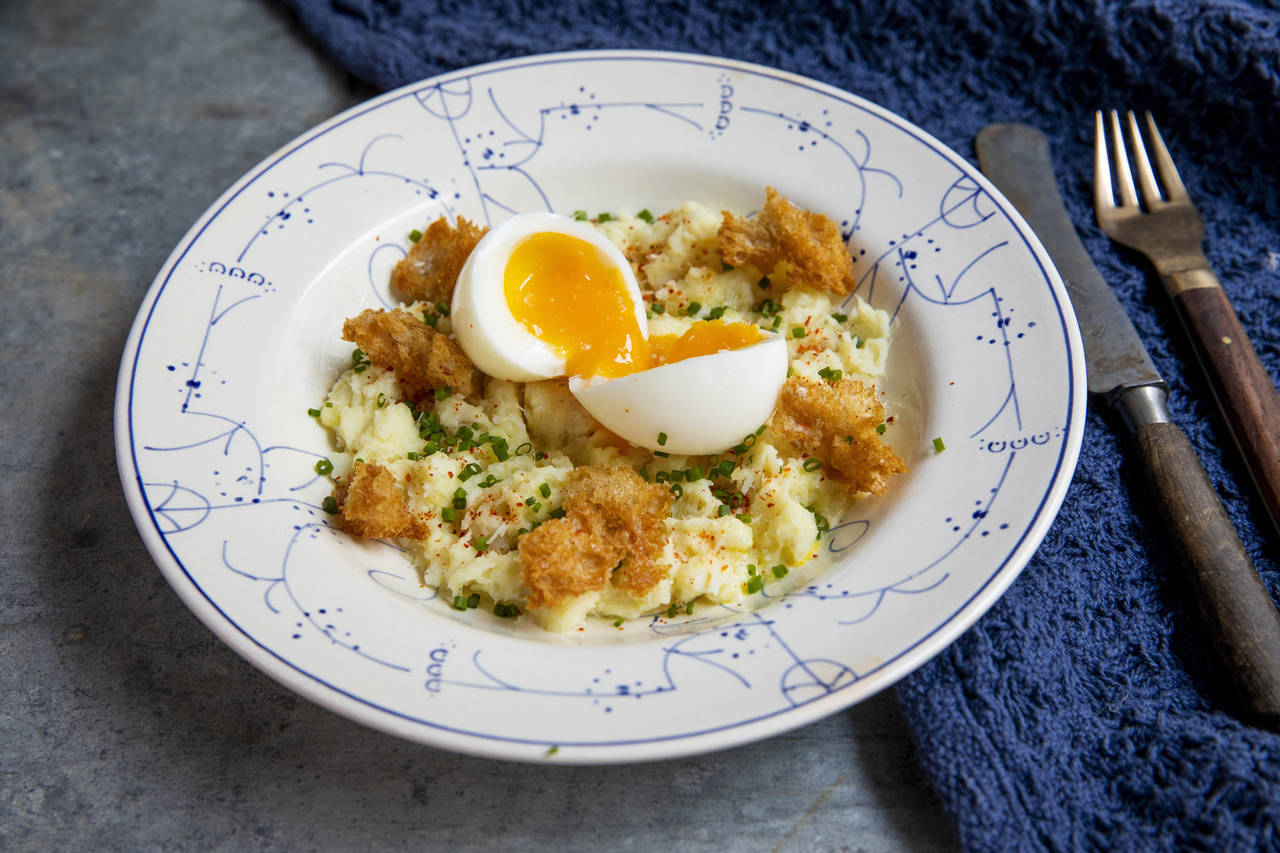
(483, 324)
(704, 404)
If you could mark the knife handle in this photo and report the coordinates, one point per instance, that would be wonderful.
(1245, 393)
(1240, 614)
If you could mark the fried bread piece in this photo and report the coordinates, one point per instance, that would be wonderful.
(809, 242)
(431, 268)
(372, 506)
(836, 423)
(422, 358)
(611, 516)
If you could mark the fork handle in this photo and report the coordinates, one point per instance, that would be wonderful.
(1241, 617)
(1245, 393)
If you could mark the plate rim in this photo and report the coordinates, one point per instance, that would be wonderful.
(369, 713)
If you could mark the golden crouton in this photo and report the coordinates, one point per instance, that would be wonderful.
(372, 506)
(612, 517)
(809, 242)
(421, 358)
(431, 268)
(836, 423)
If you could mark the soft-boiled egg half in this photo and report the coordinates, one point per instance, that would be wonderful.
(543, 296)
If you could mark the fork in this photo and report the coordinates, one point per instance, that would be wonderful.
(1167, 228)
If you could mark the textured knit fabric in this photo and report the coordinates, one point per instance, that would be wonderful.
(1085, 710)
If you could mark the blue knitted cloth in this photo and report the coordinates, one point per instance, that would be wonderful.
(1085, 710)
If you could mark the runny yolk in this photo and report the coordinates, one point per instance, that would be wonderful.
(704, 338)
(566, 294)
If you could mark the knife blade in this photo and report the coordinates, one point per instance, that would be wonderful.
(1241, 617)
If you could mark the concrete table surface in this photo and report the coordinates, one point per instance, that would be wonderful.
(124, 722)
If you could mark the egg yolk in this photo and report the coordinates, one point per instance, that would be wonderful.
(705, 338)
(567, 295)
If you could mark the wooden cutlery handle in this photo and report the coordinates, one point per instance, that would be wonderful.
(1240, 614)
(1244, 391)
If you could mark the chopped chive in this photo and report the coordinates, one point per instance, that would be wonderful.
(662, 439)
(760, 429)
(524, 448)
(473, 601)
(644, 473)
(763, 282)
(498, 445)
(468, 471)
(659, 308)
(660, 453)
(328, 405)
(938, 445)
(553, 750)
(442, 393)
(780, 571)
(677, 475)
(429, 448)
(880, 428)
(725, 267)
(662, 477)
(821, 521)
(544, 490)
(330, 505)
(858, 342)
(481, 543)
(716, 313)
(688, 609)
(412, 456)
(677, 490)
(723, 510)
(797, 331)
(755, 584)
(489, 482)
(558, 512)
(533, 505)
(415, 235)
(604, 217)
(790, 370)
(725, 468)
(459, 603)
(751, 569)
(580, 215)
(645, 216)
(812, 464)
(448, 515)
(671, 611)
(459, 498)
(744, 518)
(324, 467)
(777, 321)
(693, 308)
(617, 623)
(381, 400)
(431, 320)
(442, 308)
(315, 413)
(693, 474)
(839, 318)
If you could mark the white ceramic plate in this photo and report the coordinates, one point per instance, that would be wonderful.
(239, 336)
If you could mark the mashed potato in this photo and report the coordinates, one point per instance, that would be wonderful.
(480, 473)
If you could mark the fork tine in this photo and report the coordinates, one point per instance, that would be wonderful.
(1103, 195)
(1128, 194)
(1173, 188)
(1146, 179)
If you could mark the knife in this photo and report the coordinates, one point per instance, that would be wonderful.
(1242, 619)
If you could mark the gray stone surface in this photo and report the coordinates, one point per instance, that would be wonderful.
(123, 722)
